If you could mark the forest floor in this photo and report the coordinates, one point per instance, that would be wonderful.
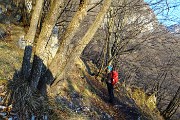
(10, 55)
(81, 96)
(86, 97)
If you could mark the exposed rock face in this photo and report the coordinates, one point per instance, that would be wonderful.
(53, 42)
(21, 42)
(138, 14)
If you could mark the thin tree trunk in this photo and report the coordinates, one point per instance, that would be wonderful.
(34, 22)
(168, 112)
(111, 24)
(29, 38)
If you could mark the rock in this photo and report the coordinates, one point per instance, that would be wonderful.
(118, 106)
(75, 95)
(55, 31)
(53, 46)
(3, 108)
(78, 110)
(18, 18)
(21, 43)
(71, 106)
(86, 109)
(2, 33)
(106, 116)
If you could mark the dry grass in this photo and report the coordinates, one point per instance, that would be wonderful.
(19, 92)
(24, 98)
(10, 55)
(10, 60)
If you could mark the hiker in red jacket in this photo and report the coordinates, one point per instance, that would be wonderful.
(111, 80)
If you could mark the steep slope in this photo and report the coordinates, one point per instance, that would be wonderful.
(82, 96)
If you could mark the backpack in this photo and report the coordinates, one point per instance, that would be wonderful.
(114, 76)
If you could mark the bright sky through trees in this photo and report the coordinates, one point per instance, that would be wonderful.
(167, 11)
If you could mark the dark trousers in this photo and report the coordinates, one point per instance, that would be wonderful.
(110, 92)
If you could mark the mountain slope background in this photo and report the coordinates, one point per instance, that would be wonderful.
(81, 96)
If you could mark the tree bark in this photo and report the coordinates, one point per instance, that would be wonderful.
(34, 22)
(76, 52)
(170, 110)
(71, 30)
(44, 36)
(61, 55)
(47, 27)
(29, 38)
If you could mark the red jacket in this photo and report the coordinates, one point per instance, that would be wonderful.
(114, 77)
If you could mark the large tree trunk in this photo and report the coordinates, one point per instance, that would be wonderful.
(71, 30)
(76, 52)
(65, 41)
(44, 36)
(61, 56)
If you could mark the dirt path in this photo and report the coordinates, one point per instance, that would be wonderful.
(123, 107)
